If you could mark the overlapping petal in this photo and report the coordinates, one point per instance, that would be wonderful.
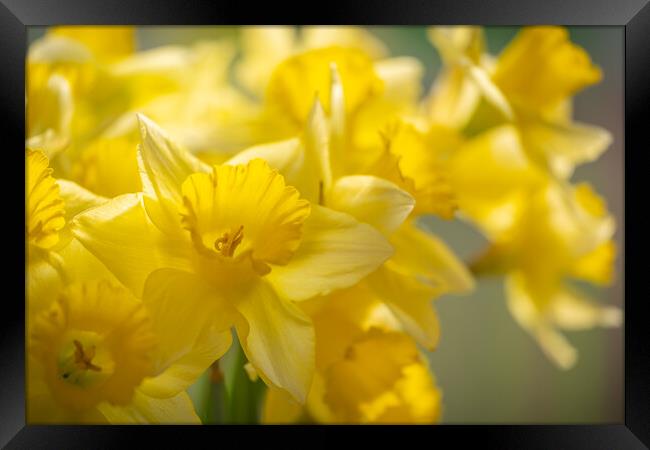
(277, 337)
(336, 252)
(123, 237)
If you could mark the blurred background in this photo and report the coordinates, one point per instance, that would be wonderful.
(489, 369)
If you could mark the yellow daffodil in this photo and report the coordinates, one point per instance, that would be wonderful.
(241, 242)
(530, 84)
(377, 90)
(422, 265)
(97, 355)
(367, 134)
(54, 257)
(561, 234)
(367, 371)
(68, 293)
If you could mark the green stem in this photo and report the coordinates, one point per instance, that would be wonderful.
(242, 397)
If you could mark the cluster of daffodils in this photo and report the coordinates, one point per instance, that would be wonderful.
(264, 191)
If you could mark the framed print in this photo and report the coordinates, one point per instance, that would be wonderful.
(406, 216)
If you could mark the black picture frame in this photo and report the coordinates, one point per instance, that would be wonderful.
(633, 15)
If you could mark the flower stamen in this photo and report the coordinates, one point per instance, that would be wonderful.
(227, 244)
(82, 359)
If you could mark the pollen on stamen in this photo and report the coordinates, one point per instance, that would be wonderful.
(227, 244)
(84, 360)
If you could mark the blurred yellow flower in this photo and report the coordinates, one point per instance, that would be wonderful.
(561, 234)
(530, 84)
(492, 177)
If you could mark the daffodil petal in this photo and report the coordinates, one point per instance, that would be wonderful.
(177, 410)
(279, 407)
(284, 156)
(455, 42)
(121, 235)
(410, 301)
(79, 264)
(572, 310)
(77, 198)
(402, 77)
(185, 370)
(597, 266)
(555, 346)
(541, 67)
(423, 254)
(372, 200)
(166, 164)
(566, 146)
(303, 161)
(454, 98)
(491, 175)
(277, 337)
(336, 252)
(316, 142)
(522, 307)
(290, 158)
(191, 321)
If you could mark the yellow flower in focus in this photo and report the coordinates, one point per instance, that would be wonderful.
(531, 85)
(241, 242)
(563, 233)
(422, 267)
(367, 370)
